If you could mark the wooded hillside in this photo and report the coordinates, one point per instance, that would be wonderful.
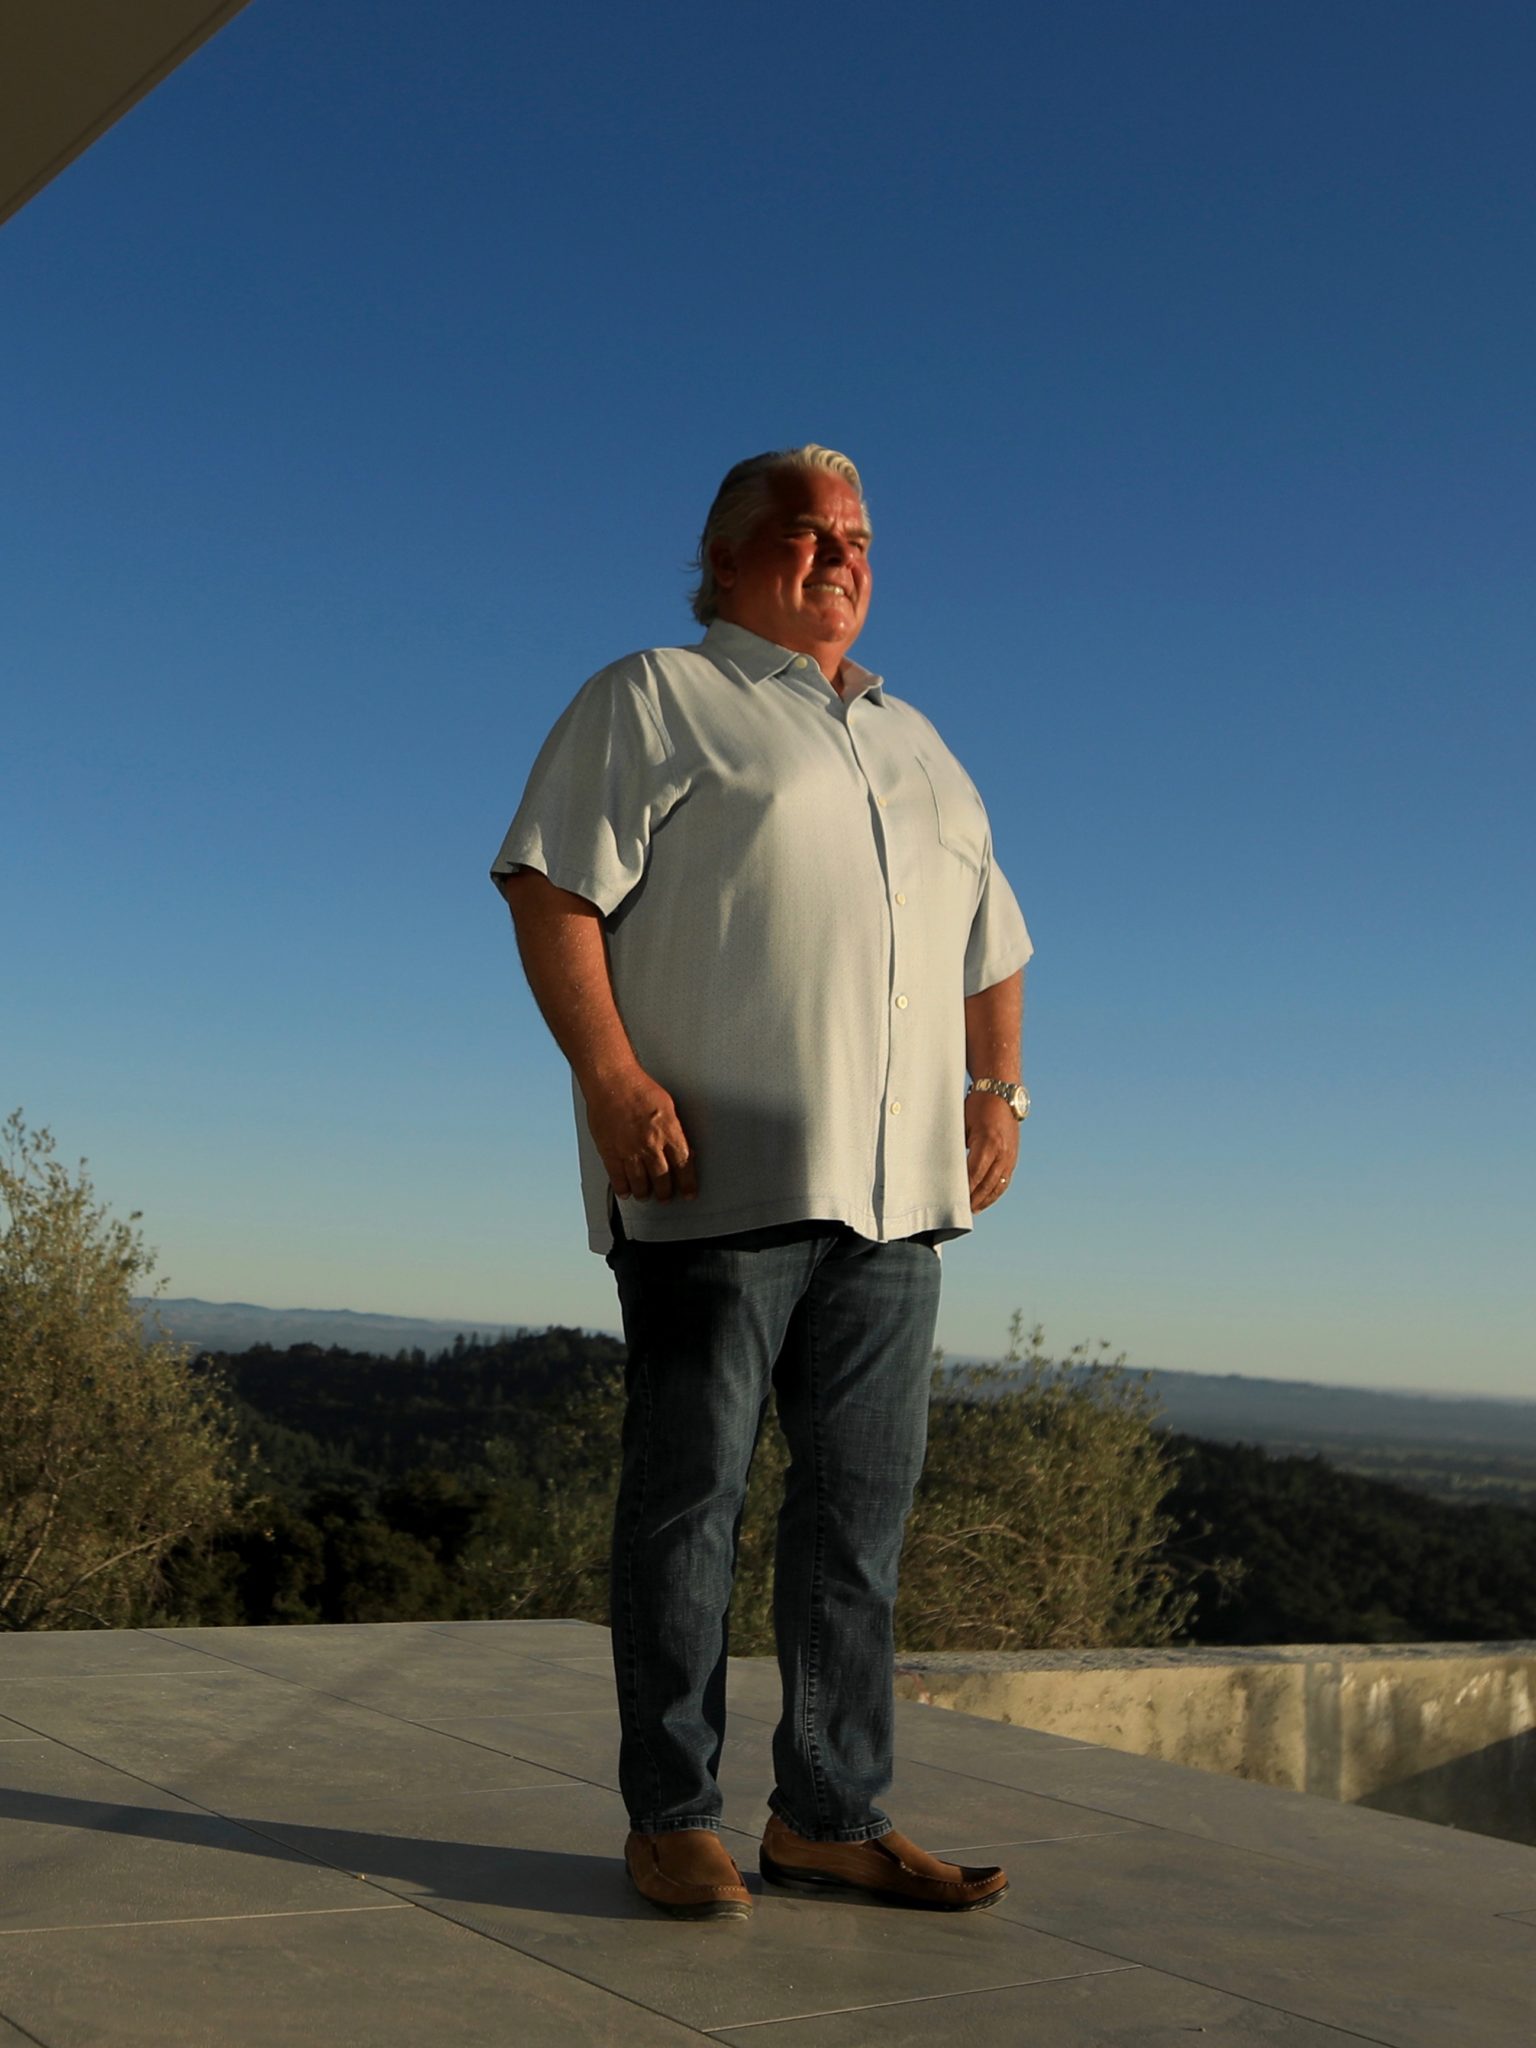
(479, 1482)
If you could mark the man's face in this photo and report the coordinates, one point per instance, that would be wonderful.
(802, 578)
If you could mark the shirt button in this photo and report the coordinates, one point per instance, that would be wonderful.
(880, 800)
(799, 661)
(901, 1002)
(895, 1109)
(900, 896)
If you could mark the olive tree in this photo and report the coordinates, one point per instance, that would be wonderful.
(1039, 1523)
(111, 1449)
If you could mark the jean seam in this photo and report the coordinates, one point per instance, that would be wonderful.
(632, 1660)
(817, 1590)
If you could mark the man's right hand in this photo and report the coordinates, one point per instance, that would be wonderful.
(635, 1127)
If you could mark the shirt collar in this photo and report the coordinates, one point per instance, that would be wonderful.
(756, 660)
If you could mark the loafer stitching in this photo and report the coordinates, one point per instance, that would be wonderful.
(689, 1884)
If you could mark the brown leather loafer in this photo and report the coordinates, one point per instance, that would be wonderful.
(688, 1873)
(890, 1866)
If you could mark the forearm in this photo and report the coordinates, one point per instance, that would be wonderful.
(632, 1118)
(565, 957)
(994, 1030)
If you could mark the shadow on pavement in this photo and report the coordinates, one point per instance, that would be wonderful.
(562, 1882)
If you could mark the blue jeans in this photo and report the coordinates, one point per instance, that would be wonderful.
(840, 1330)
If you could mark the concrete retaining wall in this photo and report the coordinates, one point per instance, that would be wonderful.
(1439, 1731)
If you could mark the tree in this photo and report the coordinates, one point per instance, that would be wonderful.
(111, 1449)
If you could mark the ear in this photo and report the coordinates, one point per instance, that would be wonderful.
(722, 562)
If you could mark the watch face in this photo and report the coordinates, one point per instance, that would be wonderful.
(1014, 1093)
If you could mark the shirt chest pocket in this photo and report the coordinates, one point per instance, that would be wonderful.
(961, 821)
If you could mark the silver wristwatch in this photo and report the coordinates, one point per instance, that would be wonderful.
(1014, 1093)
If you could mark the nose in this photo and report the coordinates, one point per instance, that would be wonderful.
(833, 548)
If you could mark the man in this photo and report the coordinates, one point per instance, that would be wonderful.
(756, 902)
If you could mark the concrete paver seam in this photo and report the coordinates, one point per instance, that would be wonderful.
(405, 1720)
(387, 1714)
(832, 2012)
(134, 1777)
(954, 1854)
(392, 1905)
(25, 2033)
(426, 1905)
(229, 1819)
(560, 1969)
(1289, 2012)
(437, 1629)
(85, 1677)
(511, 1756)
(286, 1678)
(1188, 1977)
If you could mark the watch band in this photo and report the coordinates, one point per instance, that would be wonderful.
(1014, 1093)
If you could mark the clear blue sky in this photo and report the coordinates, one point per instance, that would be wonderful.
(363, 392)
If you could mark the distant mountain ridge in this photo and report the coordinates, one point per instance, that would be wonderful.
(1230, 1407)
(1235, 1409)
(237, 1325)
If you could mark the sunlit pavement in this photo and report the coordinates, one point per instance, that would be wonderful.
(410, 1833)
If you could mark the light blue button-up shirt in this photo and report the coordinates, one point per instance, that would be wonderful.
(799, 892)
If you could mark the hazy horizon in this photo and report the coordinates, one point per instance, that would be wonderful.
(491, 1327)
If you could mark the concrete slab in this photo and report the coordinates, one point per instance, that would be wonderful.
(85, 1654)
(218, 1734)
(584, 1743)
(1318, 1946)
(542, 1873)
(557, 1639)
(427, 1676)
(1125, 2008)
(931, 1804)
(82, 1844)
(215, 1804)
(392, 1979)
(298, 1652)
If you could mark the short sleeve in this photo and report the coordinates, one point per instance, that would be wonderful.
(999, 942)
(603, 779)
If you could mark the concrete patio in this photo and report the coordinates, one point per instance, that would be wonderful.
(409, 1834)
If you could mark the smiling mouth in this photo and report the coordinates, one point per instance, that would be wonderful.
(836, 589)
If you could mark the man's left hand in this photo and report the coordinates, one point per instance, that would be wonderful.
(991, 1148)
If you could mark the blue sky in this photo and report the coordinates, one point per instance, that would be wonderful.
(364, 391)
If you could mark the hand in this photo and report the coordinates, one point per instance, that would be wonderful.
(991, 1148)
(634, 1125)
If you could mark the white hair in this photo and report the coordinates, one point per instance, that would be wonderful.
(745, 499)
